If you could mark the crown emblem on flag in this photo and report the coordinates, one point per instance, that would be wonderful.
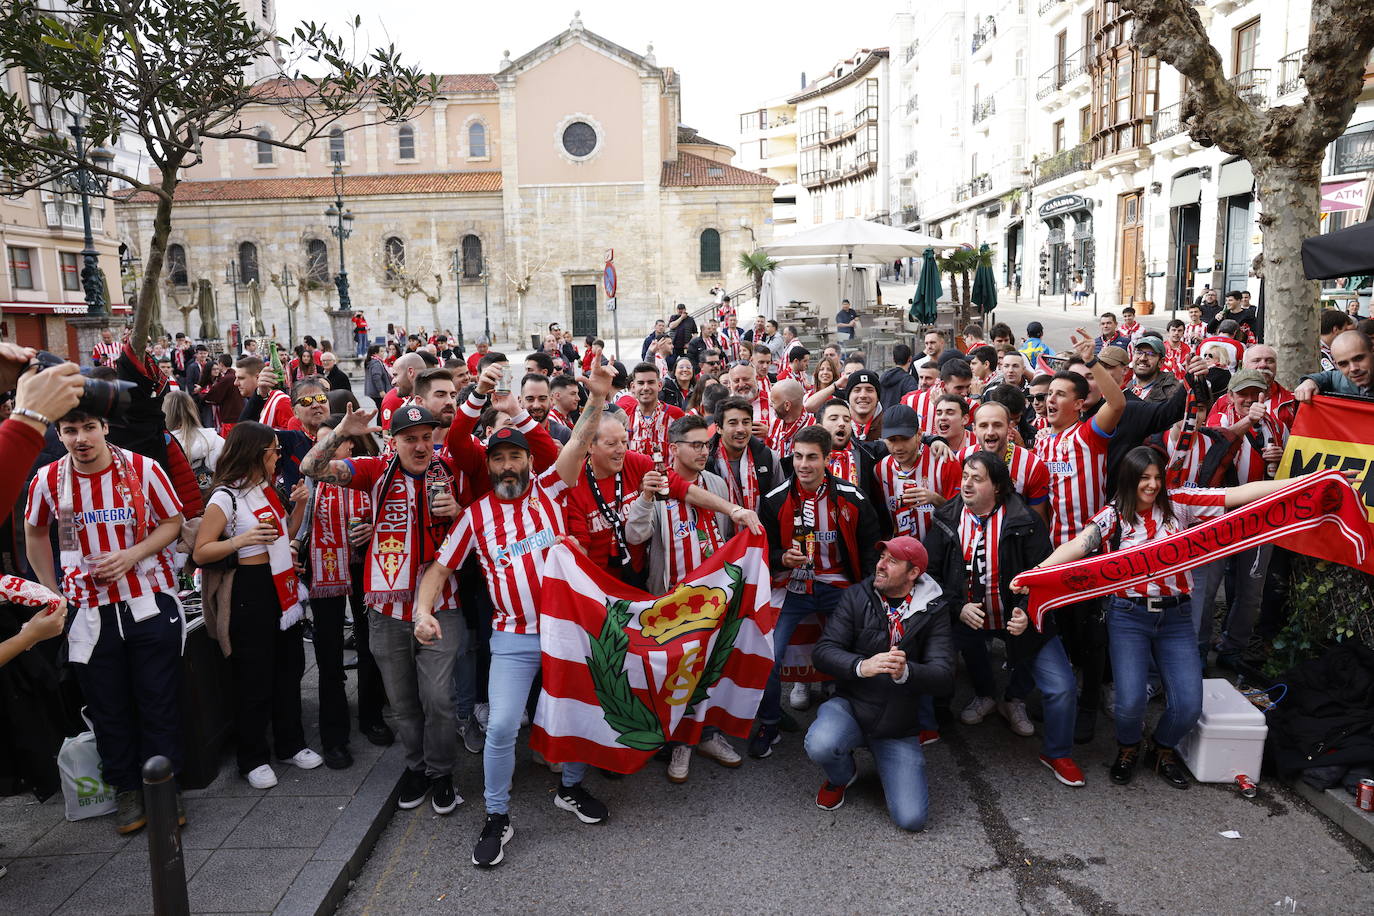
(686, 610)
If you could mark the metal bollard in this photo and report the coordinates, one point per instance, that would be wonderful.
(164, 839)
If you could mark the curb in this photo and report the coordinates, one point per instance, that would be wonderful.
(1339, 806)
(319, 887)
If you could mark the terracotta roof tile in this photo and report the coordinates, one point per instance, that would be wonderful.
(354, 186)
(692, 171)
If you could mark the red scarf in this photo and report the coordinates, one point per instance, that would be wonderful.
(648, 434)
(330, 552)
(744, 488)
(844, 465)
(284, 578)
(1319, 515)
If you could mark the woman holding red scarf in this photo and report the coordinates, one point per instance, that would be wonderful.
(246, 520)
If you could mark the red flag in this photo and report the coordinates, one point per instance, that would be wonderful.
(1319, 515)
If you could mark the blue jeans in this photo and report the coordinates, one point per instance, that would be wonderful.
(795, 609)
(514, 664)
(830, 742)
(360, 337)
(1135, 636)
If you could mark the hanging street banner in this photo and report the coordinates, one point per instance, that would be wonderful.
(626, 672)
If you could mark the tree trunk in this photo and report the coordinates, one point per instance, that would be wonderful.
(1288, 196)
(148, 299)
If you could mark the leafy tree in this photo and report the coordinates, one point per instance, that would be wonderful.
(1284, 144)
(173, 74)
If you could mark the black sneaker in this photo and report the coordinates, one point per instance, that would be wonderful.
(580, 802)
(474, 739)
(378, 733)
(441, 795)
(338, 758)
(761, 744)
(414, 787)
(491, 845)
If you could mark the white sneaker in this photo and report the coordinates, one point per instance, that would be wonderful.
(682, 760)
(262, 777)
(977, 710)
(1014, 711)
(720, 750)
(799, 697)
(480, 712)
(306, 759)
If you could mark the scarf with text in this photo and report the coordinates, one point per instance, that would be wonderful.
(405, 536)
(844, 465)
(334, 513)
(1319, 515)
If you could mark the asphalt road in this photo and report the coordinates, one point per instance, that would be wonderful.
(1003, 837)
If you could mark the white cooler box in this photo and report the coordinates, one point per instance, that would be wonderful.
(1229, 737)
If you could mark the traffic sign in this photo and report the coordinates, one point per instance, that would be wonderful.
(608, 280)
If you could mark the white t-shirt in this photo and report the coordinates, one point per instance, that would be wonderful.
(252, 506)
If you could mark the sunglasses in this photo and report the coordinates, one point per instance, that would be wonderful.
(1040, 397)
(307, 400)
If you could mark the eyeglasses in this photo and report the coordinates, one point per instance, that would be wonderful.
(308, 399)
(274, 447)
(1040, 397)
(694, 445)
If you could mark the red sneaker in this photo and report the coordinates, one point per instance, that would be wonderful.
(831, 797)
(928, 737)
(1065, 770)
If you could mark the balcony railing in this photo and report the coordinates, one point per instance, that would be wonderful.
(867, 115)
(1252, 86)
(973, 188)
(1047, 5)
(911, 159)
(984, 34)
(910, 52)
(983, 110)
(1166, 122)
(1075, 159)
(909, 215)
(1053, 79)
(911, 105)
(1290, 72)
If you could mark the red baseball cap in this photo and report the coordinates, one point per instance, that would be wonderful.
(907, 548)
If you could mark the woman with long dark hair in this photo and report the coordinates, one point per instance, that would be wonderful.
(677, 389)
(1153, 622)
(245, 519)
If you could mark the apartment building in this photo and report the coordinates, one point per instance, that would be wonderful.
(767, 144)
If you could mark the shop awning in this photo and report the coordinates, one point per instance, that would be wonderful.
(1236, 178)
(1186, 189)
(57, 308)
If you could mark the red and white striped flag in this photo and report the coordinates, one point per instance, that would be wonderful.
(796, 661)
(625, 672)
(1042, 366)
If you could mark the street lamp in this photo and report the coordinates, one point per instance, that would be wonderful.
(342, 229)
(231, 276)
(86, 184)
(456, 267)
(486, 302)
(287, 283)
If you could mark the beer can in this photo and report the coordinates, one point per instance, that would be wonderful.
(1247, 788)
(1364, 795)
(436, 490)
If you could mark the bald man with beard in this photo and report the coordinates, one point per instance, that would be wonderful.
(789, 417)
(1353, 355)
(403, 373)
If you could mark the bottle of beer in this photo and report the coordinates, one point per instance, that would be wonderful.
(662, 469)
(804, 536)
(274, 360)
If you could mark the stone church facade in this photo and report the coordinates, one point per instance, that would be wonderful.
(505, 194)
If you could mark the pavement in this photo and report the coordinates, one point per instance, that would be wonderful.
(290, 849)
(1003, 837)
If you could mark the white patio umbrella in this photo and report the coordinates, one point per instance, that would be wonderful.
(851, 240)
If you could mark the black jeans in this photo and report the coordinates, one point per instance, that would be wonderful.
(267, 663)
(329, 657)
(132, 687)
(1085, 637)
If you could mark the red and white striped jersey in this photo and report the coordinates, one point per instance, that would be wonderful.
(512, 537)
(1249, 459)
(276, 410)
(1077, 462)
(730, 340)
(1190, 507)
(105, 354)
(781, 434)
(930, 472)
(693, 536)
(984, 533)
(649, 434)
(827, 565)
(1193, 334)
(1029, 475)
(105, 522)
(923, 402)
(1176, 358)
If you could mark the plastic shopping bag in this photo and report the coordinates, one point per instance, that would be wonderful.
(83, 787)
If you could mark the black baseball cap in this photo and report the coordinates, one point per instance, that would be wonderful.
(508, 435)
(411, 415)
(900, 420)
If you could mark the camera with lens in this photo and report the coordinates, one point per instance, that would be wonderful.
(99, 398)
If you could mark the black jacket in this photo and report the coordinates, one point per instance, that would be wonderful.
(896, 382)
(858, 523)
(1139, 421)
(869, 454)
(858, 629)
(766, 468)
(1025, 542)
(673, 395)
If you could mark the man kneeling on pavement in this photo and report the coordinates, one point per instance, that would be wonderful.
(886, 644)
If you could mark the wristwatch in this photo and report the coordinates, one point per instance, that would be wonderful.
(1092, 362)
